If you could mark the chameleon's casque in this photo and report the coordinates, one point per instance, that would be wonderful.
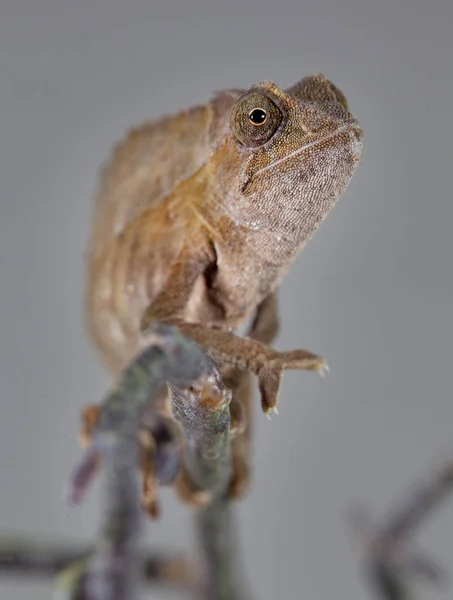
(199, 215)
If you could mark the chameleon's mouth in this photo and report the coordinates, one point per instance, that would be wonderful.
(353, 127)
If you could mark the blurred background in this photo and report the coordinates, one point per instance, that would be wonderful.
(372, 292)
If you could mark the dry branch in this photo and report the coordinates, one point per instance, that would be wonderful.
(21, 557)
(391, 563)
(200, 404)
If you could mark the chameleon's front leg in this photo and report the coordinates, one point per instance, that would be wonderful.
(264, 328)
(247, 354)
(227, 349)
(238, 356)
(265, 325)
(244, 353)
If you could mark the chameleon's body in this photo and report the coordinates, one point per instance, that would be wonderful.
(199, 216)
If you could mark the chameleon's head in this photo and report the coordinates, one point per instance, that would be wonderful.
(294, 153)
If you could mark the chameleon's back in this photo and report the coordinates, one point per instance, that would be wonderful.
(145, 166)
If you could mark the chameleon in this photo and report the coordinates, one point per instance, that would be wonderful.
(198, 217)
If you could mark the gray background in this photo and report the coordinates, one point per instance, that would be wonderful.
(372, 292)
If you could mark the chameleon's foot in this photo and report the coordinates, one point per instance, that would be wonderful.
(302, 359)
(240, 482)
(90, 418)
(186, 492)
(238, 417)
(270, 374)
(147, 455)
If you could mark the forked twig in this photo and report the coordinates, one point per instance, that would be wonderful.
(390, 561)
(22, 557)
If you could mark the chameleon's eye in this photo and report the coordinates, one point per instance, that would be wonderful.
(255, 119)
(258, 116)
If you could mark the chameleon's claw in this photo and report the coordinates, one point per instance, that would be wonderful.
(272, 409)
(190, 495)
(323, 369)
(269, 411)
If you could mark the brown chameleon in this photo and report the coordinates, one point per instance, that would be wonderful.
(198, 218)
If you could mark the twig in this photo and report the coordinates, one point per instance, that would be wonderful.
(42, 559)
(217, 538)
(113, 574)
(385, 548)
(24, 557)
(204, 417)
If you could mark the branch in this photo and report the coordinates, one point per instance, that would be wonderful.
(20, 556)
(389, 559)
(203, 414)
(217, 538)
(114, 571)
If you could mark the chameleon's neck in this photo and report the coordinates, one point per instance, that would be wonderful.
(264, 242)
(250, 265)
(271, 230)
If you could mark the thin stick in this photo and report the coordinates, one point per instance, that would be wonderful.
(217, 538)
(23, 557)
(389, 560)
(115, 569)
(203, 415)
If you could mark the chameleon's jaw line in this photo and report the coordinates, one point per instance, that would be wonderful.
(350, 126)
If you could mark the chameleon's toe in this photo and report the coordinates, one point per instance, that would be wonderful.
(322, 368)
(186, 492)
(240, 482)
(147, 456)
(90, 418)
(238, 417)
(302, 359)
(149, 496)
